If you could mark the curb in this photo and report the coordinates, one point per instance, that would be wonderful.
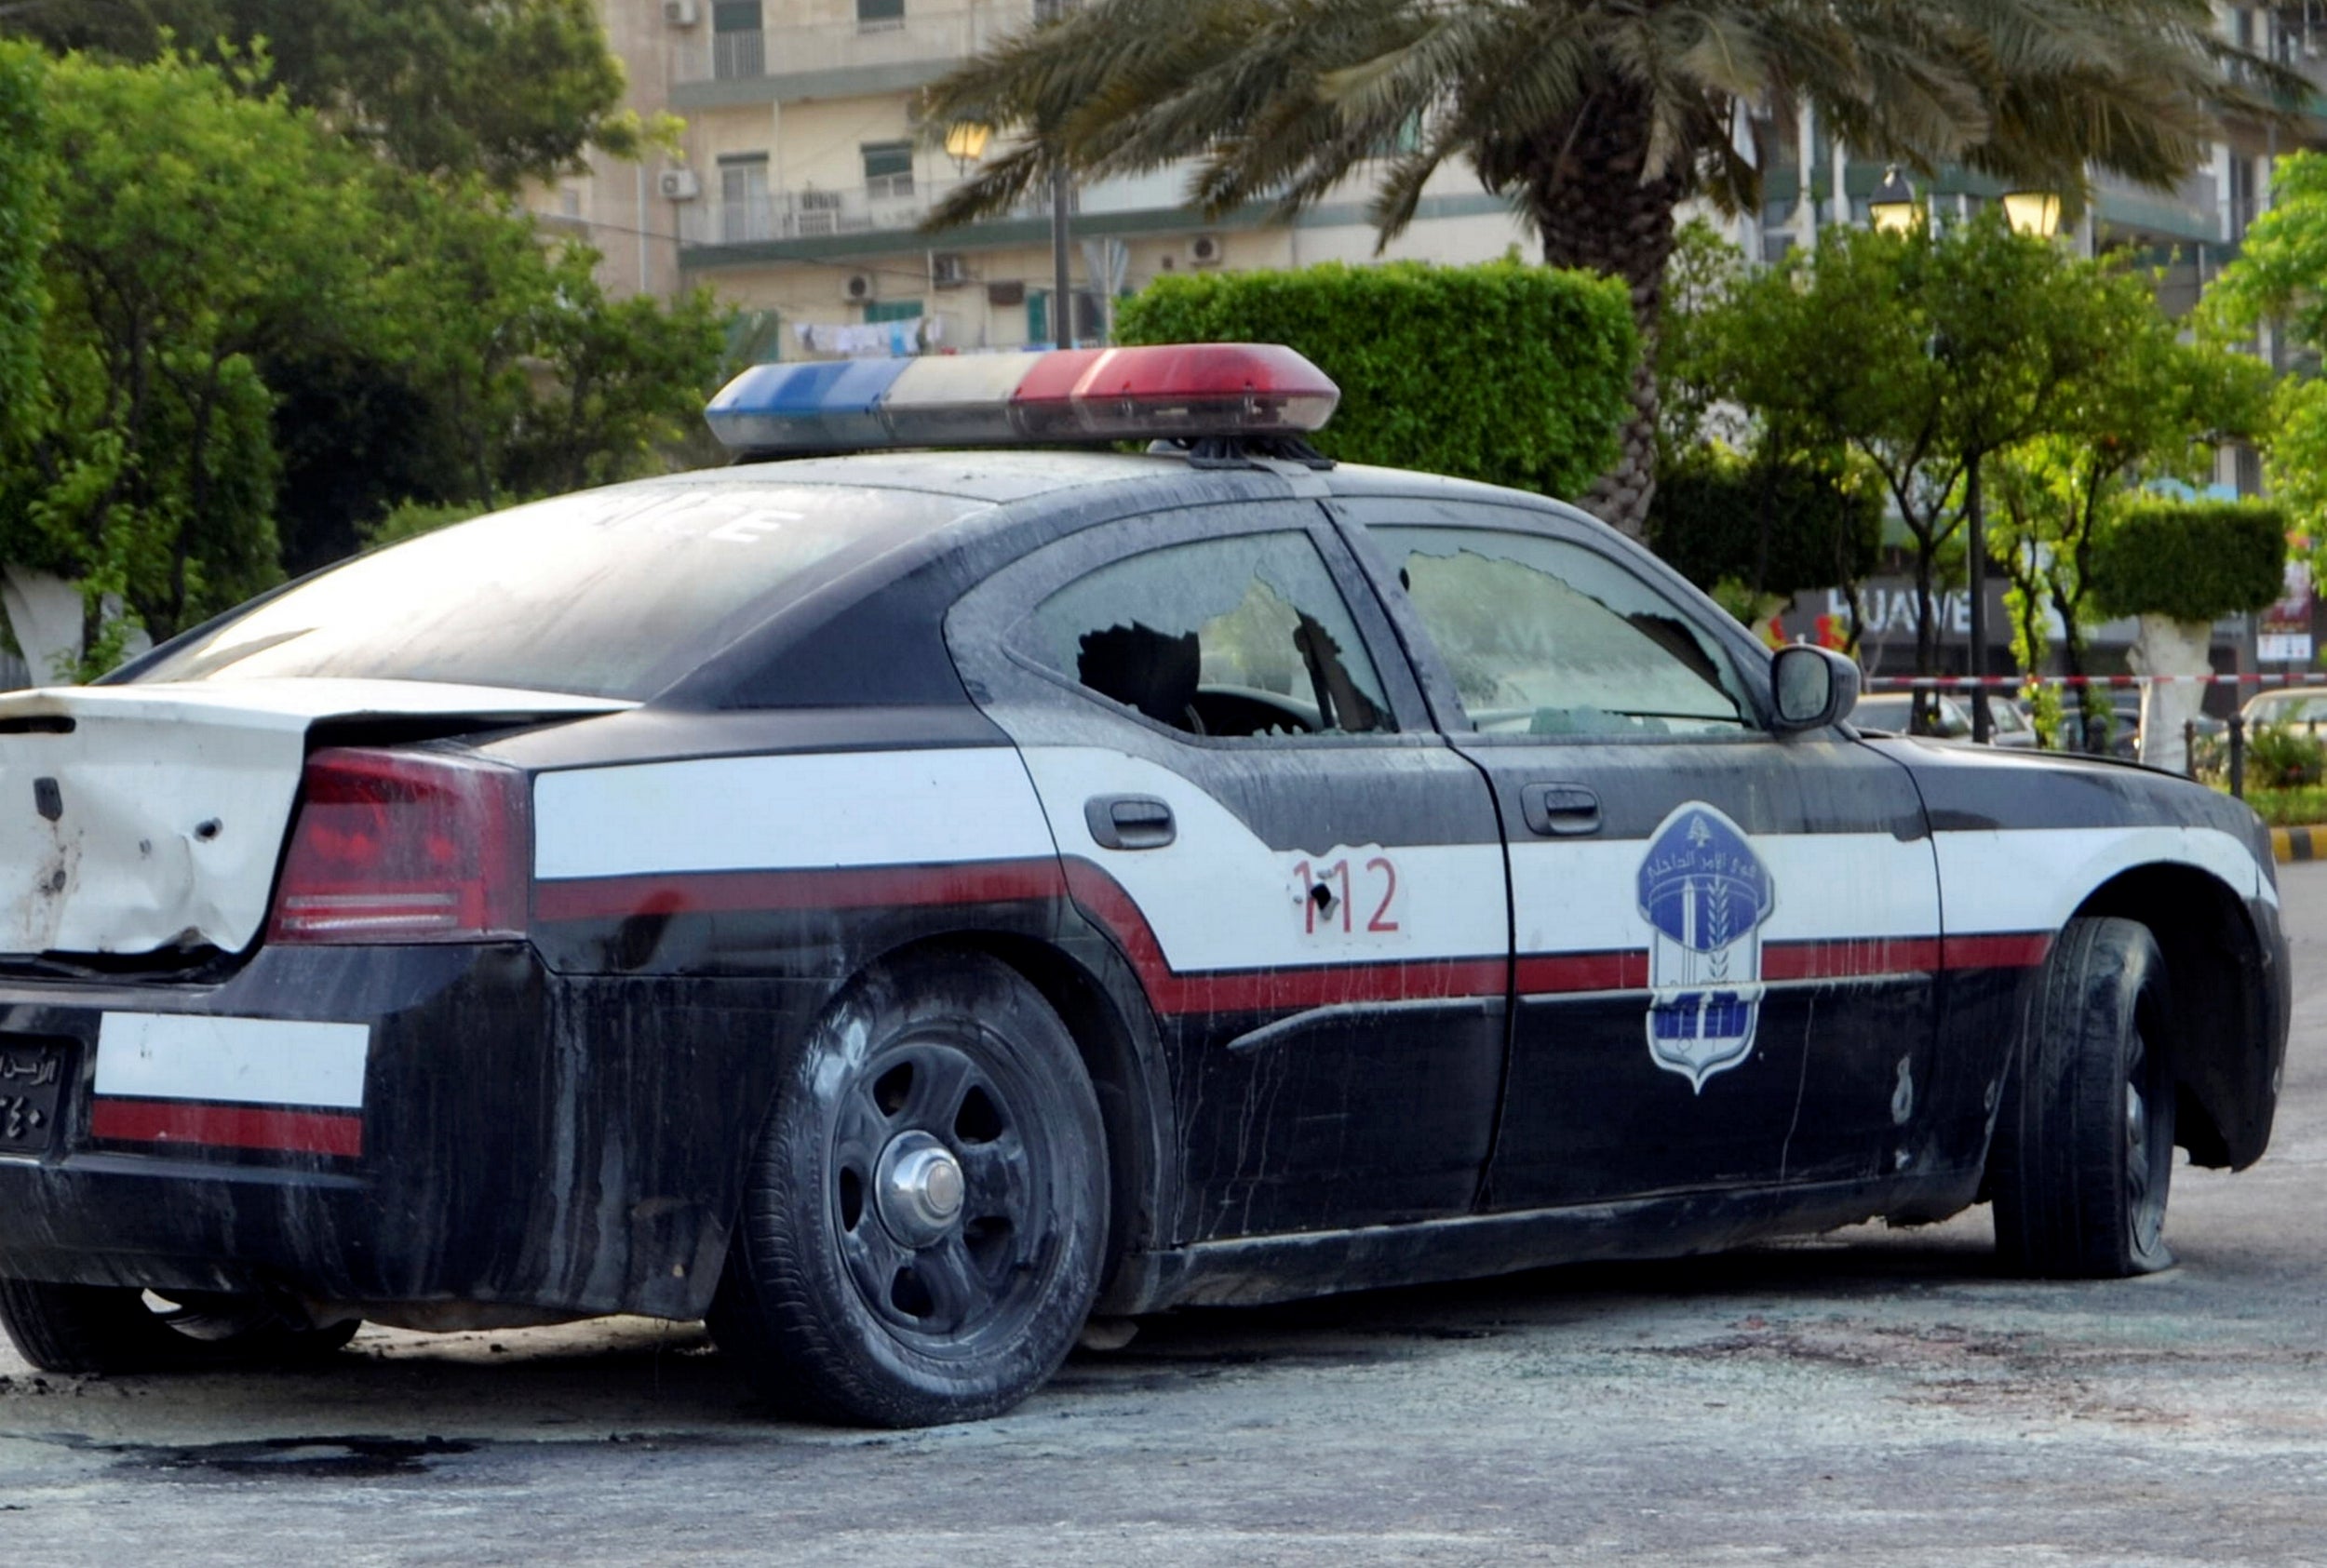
(2298, 843)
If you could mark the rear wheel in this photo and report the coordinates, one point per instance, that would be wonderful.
(2084, 1148)
(82, 1328)
(924, 1221)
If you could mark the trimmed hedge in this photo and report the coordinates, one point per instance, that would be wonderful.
(2191, 561)
(1776, 525)
(1513, 374)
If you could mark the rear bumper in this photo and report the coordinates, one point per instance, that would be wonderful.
(484, 1158)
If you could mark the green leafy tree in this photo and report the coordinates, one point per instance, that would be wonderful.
(1596, 117)
(2152, 407)
(1927, 354)
(506, 89)
(629, 381)
(2280, 277)
(1700, 278)
(1769, 526)
(524, 377)
(24, 227)
(198, 224)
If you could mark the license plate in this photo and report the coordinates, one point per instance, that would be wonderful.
(33, 1075)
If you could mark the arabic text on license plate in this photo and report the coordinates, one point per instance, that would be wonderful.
(32, 1093)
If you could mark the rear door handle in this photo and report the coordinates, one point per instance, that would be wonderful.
(1129, 822)
(1560, 811)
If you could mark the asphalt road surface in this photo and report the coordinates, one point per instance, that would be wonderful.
(1873, 1396)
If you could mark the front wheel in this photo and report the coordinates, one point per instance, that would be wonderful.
(105, 1329)
(924, 1221)
(2084, 1148)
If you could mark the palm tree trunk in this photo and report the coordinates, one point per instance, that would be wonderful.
(1592, 209)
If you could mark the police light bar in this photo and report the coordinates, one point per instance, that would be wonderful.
(1175, 391)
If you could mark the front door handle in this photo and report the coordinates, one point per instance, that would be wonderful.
(1560, 811)
(1129, 822)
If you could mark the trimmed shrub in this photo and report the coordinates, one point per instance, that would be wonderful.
(1505, 372)
(2191, 561)
(1776, 525)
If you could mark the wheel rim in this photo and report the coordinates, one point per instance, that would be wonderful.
(936, 1174)
(2148, 1150)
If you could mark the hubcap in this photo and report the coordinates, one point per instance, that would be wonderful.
(919, 1188)
(939, 1184)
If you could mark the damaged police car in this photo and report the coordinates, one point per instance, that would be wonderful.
(896, 905)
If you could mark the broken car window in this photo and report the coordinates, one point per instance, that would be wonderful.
(1547, 638)
(1243, 637)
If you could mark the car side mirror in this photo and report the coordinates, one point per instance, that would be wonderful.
(1814, 687)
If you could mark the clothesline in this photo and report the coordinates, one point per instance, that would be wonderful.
(918, 334)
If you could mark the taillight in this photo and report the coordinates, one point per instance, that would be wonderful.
(398, 846)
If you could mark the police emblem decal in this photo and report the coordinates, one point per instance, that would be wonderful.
(1705, 894)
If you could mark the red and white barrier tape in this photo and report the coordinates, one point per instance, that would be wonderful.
(2114, 682)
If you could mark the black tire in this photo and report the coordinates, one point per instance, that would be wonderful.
(82, 1329)
(2083, 1157)
(847, 1297)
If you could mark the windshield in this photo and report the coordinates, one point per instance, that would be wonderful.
(611, 593)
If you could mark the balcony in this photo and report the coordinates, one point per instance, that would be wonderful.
(888, 203)
(2188, 213)
(930, 41)
(894, 204)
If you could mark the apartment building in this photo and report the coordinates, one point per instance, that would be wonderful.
(804, 180)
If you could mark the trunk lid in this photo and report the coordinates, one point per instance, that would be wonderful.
(147, 818)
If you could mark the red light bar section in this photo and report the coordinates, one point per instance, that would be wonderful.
(1174, 390)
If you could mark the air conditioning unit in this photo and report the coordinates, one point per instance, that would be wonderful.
(948, 269)
(1205, 250)
(681, 13)
(679, 185)
(857, 287)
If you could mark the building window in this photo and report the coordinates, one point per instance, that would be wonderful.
(1090, 317)
(888, 169)
(739, 45)
(874, 16)
(2242, 195)
(745, 214)
(893, 310)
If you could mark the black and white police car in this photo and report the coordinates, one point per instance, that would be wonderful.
(896, 905)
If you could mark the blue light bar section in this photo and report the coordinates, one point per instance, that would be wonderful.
(820, 406)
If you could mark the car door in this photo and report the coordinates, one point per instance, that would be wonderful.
(1725, 939)
(1247, 795)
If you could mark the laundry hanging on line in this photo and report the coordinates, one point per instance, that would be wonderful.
(918, 334)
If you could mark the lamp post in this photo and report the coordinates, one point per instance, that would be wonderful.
(2037, 214)
(2033, 212)
(965, 144)
(1892, 207)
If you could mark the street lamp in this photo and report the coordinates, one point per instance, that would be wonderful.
(965, 144)
(2033, 212)
(1893, 207)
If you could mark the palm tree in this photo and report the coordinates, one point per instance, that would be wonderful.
(1595, 117)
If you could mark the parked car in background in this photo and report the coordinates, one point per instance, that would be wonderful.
(1946, 715)
(2124, 735)
(2304, 705)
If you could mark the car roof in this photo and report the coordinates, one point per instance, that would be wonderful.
(1005, 475)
